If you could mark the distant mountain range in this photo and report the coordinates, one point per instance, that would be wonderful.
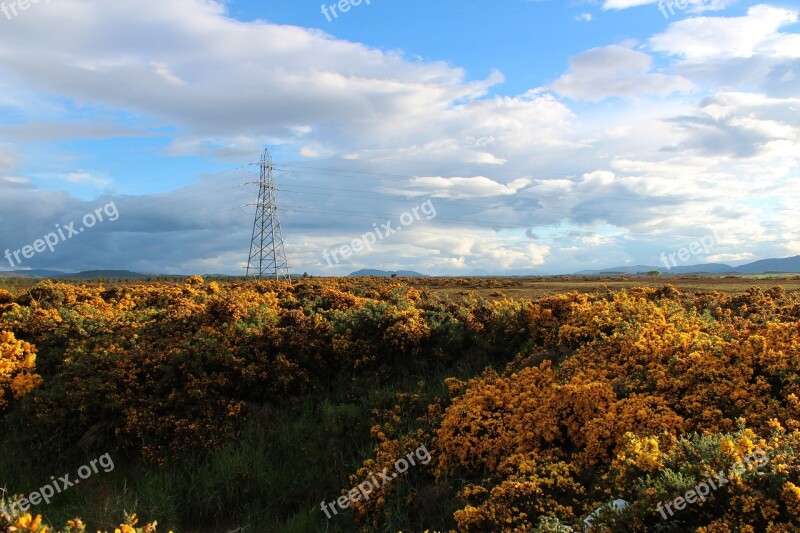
(384, 274)
(788, 265)
(88, 274)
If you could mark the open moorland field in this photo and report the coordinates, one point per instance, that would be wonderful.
(498, 287)
(481, 405)
(534, 287)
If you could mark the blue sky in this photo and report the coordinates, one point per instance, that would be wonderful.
(550, 136)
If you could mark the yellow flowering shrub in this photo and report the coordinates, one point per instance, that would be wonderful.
(17, 369)
(554, 407)
(27, 523)
(5, 297)
(524, 488)
(611, 408)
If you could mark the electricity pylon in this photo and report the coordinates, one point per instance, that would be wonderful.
(267, 254)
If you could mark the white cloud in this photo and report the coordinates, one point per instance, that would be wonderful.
(616, 71)
(285, 79)
(625, 4)
(721, 258)
(671, 7)
(458, 187)
(309, 152)
(703, 39)
(793, 247)
(80, 177)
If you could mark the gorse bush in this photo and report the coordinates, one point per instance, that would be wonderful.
(535, 413)
(17, 364)
(27, 523)
(551, 440)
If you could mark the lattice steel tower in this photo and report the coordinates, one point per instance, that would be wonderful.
(267, 254)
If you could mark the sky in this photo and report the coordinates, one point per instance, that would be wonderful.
(468, 137)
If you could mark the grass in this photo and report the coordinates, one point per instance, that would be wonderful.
(271, 477)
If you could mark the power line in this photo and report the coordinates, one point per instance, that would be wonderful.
(342, 173)
(563, 212)
(449, 164)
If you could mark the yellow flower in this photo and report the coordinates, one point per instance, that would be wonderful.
(791, 493)
(76, 524)
(775, 424)
(729, 449)
(28, 523)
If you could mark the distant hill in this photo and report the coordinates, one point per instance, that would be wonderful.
(709, 268)
(11, 275)
(108, 274)
(368, 272)
(771, 266)
(36, 273)
(88, 274)
(786, 265)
